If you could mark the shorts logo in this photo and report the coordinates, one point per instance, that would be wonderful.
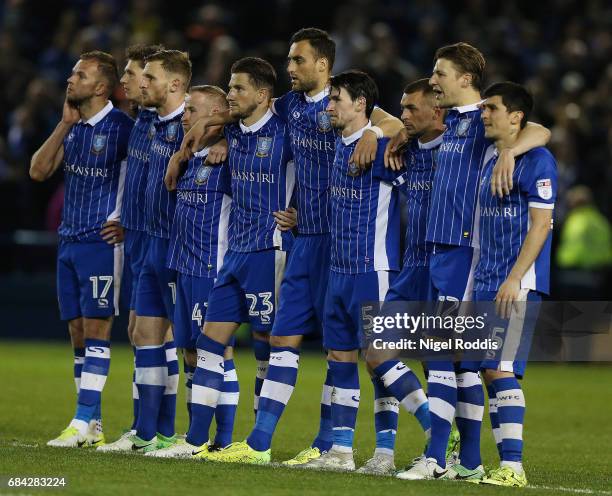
(98, 143)
(203, 174)
(323, 121)
(463, 126)
(151, 131)
(544, 189)
(264, 143)
(171, 131)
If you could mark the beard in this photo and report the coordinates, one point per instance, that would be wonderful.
(305, 86)
(77, 100)
(246, 113)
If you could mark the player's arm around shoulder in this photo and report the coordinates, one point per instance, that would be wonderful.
(49, 156)
(531, 136)
(379, 170)
(383, 125)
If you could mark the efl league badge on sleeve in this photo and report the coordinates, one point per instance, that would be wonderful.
(464, 125)
(323, 121)
(544, 189)
(98, 144)
(203, 173)
(264, 144)
(171, 131)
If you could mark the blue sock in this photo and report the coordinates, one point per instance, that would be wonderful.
(167, 408)
(151, 372)
(511, 415)
(134, 394)
(262, 355)
(325, 436)
(386, 413)
(406, 388)
(344, 404)
(494, 418)
(189, 370)
(206, 388)
(470, 409)
(225, 414)
(442, 391)
(275, 393)
(93, 378)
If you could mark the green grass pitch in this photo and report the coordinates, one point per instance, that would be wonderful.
(568, 438)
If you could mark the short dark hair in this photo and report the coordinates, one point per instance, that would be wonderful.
(514, 96)
(419, 86)
(173, 61)
(320, 41)
(210, 90)
(357, 84)
(260, 71)
(138, 53)
(107, 67)
(466, 58)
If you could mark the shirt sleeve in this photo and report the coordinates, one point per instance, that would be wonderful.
(280, 106)
(539, 182)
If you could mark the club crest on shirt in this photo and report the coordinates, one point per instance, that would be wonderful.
(264, 143)
(296, 115)
(70, 137)
(463, 126)
(544, 189)
(98, 143)
(151, 131)
(203, 173)
(323, 121)
(171, 131)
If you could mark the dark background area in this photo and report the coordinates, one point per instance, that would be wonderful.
(561, 49)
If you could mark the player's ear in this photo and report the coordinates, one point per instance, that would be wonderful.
(361, 103)
(466, 80)
(101, 88)
(516, 117)
(322, 64)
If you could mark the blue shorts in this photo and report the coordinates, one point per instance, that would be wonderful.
(452, 272)
(522, 327)
(156, 293)
(247, 288)
(411, 284)
(302, 291)
(345, 295)
(88, 279)
(135, 250)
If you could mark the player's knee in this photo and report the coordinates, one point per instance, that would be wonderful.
(261, 336)
(286, 341)
(229, 353)
(97, 328)
(491, 375)
(342, 356)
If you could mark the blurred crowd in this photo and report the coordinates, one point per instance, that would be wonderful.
(561, 49)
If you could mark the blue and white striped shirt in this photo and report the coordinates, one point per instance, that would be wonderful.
(160, 203)
(133, 215)
(460, 160)
(365, 220)
(313, 143)
(263, 178)
(94, 170)
(417, 183)
(199, 236)
(504, 222)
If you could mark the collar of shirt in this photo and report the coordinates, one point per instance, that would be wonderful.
(318, 97)
(431, 144)
(468, 108)
(356, 135)
(94, 119)
(172, 115)
(253, 128)
(202, 153)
